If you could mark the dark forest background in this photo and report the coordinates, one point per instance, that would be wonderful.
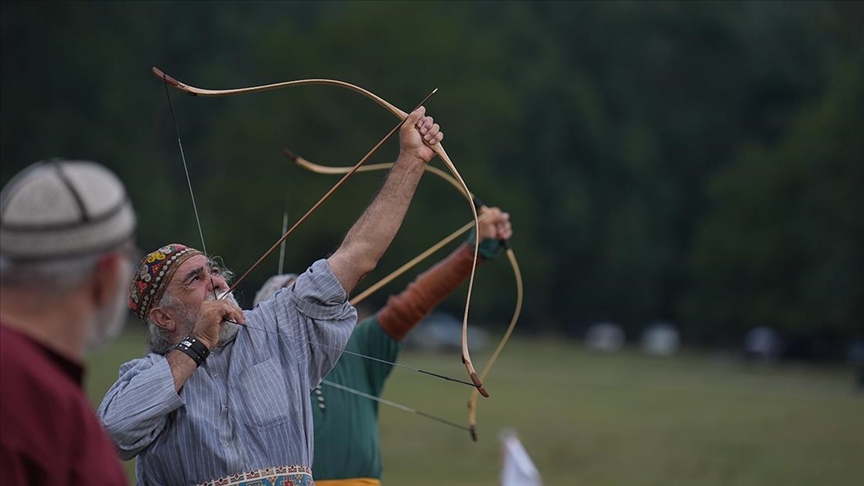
(700, 163)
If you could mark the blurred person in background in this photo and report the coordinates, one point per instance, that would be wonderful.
(346, 424)
(66, 255)
(213, 404)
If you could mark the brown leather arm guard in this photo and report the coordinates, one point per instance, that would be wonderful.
(407, 309)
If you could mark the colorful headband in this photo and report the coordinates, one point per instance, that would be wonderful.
(153, 275)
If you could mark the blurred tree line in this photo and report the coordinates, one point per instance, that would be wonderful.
(696, 162)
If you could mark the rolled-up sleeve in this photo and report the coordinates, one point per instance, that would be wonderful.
(135, 410)
(313, 319)
(319, 295)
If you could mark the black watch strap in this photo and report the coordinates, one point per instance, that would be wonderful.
(193, 348)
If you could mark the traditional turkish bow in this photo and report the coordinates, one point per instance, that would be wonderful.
(472, 402)
(437, 148)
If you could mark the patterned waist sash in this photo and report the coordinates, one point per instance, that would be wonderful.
(271, 476)
(349, 482)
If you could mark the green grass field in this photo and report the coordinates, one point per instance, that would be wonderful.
(602, 420)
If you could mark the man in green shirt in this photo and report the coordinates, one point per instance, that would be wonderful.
(346, 424)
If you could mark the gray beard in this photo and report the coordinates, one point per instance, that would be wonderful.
(229, 329)
(228, 332)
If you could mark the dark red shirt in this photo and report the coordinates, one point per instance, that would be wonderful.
(49, 433)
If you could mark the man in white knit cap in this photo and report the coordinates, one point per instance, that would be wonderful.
(66, 253)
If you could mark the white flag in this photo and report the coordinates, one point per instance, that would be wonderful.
(517, 468)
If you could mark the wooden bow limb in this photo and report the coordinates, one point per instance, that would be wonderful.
(407, 266)
(325, 197)
(437, 148)
(323, 169)
(472, 402)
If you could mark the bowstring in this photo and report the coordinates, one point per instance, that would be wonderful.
(282, 246)
(372, 358)
(284, 229)
(394, 404)
(185, 166)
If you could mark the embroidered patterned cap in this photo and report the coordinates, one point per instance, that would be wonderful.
(63, 208)
(153, 275)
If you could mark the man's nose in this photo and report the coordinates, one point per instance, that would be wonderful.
(217, 282)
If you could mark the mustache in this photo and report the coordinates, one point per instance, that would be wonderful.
(227, 331)
(223, 295)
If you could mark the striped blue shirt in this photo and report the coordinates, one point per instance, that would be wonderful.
(247, 407)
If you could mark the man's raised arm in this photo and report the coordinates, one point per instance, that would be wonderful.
(370, 236)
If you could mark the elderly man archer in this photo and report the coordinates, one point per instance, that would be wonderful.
(214, 403)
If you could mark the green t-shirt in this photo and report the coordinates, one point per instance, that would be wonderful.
(346, 425)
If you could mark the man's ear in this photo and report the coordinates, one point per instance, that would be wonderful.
(162, 318)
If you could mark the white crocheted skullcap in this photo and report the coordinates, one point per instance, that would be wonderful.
(271, 286)
(63, 208)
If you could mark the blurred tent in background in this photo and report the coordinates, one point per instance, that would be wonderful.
(660, 339)
(605, 336)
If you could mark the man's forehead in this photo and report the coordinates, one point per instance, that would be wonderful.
(192, 263)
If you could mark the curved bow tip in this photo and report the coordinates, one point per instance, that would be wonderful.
(473, 431)
(291, 155)
(168, 79)
(479, 385)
